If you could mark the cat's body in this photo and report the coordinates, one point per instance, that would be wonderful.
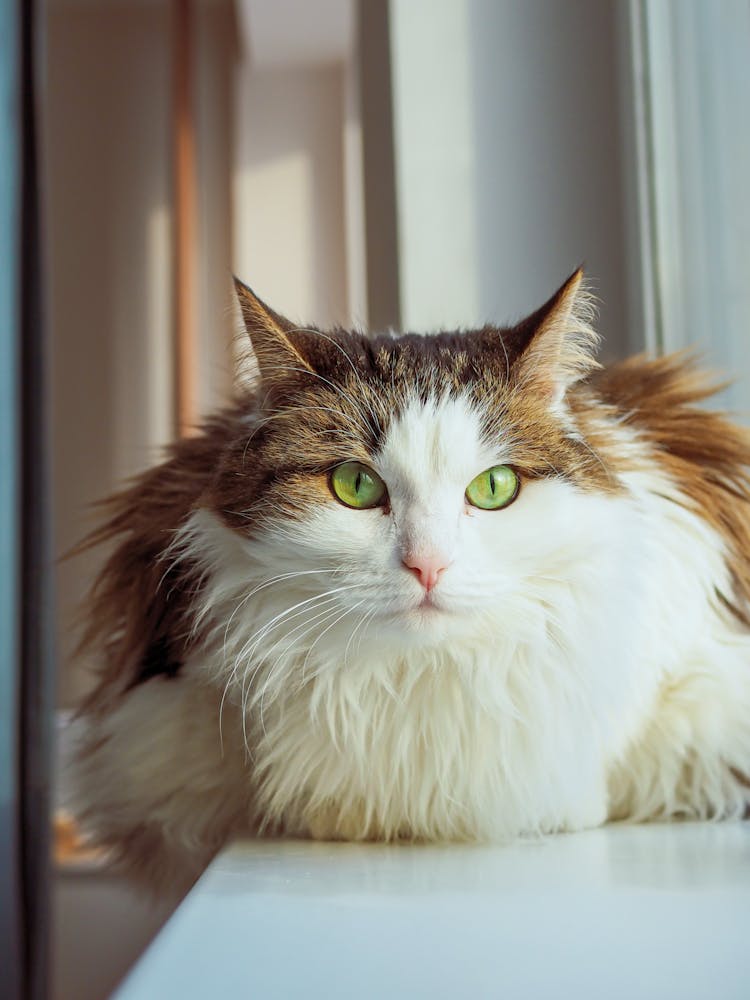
(275, 661)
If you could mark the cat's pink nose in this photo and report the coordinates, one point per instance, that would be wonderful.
(426, 568)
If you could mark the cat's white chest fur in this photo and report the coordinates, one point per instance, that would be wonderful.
(435, 749)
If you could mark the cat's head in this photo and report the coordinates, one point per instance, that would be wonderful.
(422, 481)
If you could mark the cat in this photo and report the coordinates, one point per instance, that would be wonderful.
(464, 586)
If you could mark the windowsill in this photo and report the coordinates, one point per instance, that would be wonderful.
(619, 912)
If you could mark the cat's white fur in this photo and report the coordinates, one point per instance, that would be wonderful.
(577, 665)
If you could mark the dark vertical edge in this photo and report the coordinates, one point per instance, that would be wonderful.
(11, 910)
(644, 320)
(381, 223)
(651, 236)
(37, 674)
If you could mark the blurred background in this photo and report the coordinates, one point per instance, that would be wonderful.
(417, 164)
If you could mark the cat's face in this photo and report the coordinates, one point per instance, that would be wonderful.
(416, 485)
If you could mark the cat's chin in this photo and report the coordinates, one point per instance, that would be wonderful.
(420, 624)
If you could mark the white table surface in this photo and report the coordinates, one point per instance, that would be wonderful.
(620, 912)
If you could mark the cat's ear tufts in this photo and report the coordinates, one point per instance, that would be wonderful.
(557, 344)
(272, 337)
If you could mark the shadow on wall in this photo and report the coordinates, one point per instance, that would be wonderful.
(544, 95)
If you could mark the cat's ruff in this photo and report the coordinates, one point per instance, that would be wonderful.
(584, 653)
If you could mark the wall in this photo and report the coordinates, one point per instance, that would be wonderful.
(507, 158)
(289, 242)
(108, 232)
(108, 177)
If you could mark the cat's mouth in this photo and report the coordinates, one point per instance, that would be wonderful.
(416, 612)
(427, 608)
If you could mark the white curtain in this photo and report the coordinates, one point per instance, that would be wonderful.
(692, 78)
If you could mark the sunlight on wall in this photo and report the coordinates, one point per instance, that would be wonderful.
(356, 263)
(280, 231)
(435, 169)
(288, 203)
(158, 377)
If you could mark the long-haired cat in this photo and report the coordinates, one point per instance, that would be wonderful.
(453, 587)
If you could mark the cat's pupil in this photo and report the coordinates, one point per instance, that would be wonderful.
(357, 482)
(492, 483)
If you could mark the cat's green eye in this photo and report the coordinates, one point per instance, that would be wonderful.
(358, 486)
(494, 488)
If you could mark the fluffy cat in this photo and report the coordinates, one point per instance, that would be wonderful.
(457, 587)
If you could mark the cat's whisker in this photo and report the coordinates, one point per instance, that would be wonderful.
(245, 651)
(365, 426)
(260, 424)
(277, 619)
(247, 655)
(584, 443)
(261, 693)
(344, 432)
(324, 336)
(281, 578)
(290, 642)
(249, 648)
(289, 410)
(305, 611)
(267, 684)
(328, 629)
(286, 412)
(351, 637)
(554, 468)
(368, 619)
(505, 353)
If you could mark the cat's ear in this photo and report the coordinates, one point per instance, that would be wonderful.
(556, 345)
(278, 352)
